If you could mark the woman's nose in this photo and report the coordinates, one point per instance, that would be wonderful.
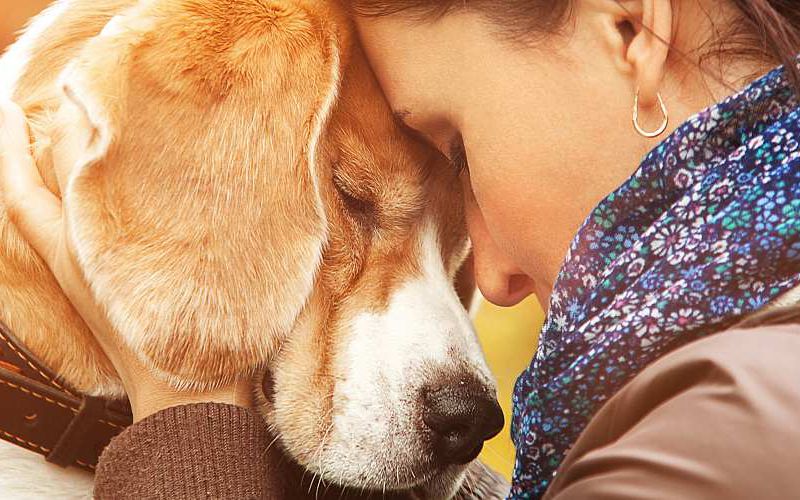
(500, 280)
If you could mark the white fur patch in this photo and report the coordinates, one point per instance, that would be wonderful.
(25, 475)
(15, 60)
(375, 437)
(113, 27)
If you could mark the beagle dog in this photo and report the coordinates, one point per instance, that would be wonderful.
(242, 201)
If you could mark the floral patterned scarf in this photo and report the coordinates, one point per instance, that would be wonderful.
(705, 231)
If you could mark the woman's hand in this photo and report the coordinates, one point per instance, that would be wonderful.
(37, 213)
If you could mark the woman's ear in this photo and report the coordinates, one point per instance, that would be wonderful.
(637, 33)
(649, 26)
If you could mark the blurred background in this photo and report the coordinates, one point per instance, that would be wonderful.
(508, 335)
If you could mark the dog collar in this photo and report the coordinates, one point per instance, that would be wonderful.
(44, 415)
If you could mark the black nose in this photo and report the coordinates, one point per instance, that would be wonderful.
(462, 416)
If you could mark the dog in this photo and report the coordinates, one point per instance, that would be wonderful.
(243, 201)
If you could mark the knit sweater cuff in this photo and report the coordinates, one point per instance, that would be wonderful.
(207, 450)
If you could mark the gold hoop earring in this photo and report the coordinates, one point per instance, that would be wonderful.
(660, 130)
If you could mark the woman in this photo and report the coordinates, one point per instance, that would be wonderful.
(531, 101)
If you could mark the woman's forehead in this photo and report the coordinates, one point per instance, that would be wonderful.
(415, 71)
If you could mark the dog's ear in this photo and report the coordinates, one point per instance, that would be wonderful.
(196, 210)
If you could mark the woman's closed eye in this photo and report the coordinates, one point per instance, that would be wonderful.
(457, 154)
(432, 131)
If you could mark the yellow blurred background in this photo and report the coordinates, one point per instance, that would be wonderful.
(508, 335)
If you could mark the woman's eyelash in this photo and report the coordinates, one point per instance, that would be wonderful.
(458, 155)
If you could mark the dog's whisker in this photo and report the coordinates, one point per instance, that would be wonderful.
(303, 478)
(314, 477)
(471, 482)
(319, 483)
(341, 493)
(271, 443)
(485, 468)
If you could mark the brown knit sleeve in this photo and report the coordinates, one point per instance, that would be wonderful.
(204, 450)
(220, 451)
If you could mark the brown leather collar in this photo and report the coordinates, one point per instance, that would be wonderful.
(44, 415)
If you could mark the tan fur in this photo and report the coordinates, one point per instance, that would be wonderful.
(238, 186)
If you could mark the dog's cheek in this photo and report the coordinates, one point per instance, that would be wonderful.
(297, 393)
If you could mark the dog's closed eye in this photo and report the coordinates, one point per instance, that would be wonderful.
(360, 206)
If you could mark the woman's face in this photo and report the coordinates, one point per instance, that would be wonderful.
(546, 128)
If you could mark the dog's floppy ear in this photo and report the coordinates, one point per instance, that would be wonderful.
(196, 211)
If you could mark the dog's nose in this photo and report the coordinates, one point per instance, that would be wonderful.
(462, 417)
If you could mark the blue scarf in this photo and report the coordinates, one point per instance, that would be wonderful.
(706, 231)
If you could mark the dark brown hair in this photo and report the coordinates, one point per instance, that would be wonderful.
(768, 30)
